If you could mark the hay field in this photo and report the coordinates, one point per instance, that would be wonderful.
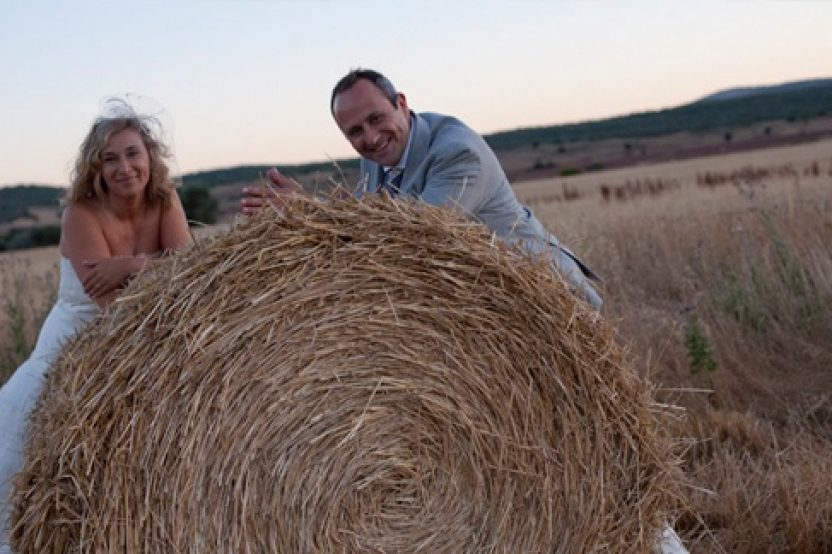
(717, 276)
(740, 244)
(370, 379)
(28, 287)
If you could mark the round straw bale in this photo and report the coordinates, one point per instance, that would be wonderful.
(348, 375)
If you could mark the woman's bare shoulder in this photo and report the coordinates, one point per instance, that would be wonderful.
(81, 210)
(81, 228)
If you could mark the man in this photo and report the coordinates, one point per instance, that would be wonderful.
(436, 159)
(439, 160)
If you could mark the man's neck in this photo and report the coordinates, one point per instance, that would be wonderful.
(403, 160)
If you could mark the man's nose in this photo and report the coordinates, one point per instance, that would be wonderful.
(371, 136)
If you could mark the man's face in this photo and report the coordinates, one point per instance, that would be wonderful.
(376, 129)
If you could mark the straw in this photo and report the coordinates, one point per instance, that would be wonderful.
(349, 375)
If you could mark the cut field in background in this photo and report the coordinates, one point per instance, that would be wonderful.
(717, 276)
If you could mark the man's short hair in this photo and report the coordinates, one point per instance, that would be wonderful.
(380, 81)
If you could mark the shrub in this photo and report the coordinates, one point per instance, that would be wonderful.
(32, 237)
(200, 205)
(700, 351)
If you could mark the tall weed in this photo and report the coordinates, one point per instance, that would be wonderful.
(25, 300)
(756, 274)
(703, 278)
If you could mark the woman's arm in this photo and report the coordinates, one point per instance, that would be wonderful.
(109, 274)
(102, 274)
(173, 227)
(82, 241)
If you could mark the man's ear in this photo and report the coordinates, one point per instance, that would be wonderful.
(401, 102)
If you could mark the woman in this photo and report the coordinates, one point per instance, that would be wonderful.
(121, 210)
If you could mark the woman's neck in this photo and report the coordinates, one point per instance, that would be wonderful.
(126, 208)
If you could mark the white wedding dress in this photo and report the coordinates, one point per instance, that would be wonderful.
(72, 311)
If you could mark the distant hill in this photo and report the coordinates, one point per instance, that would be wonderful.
(743, 92)
(15, 201)
(252, 173)
(790, 101)
(751, 117)
(779, 103)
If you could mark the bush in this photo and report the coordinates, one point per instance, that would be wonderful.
(200, 205)
(32, 237)
(700, 351)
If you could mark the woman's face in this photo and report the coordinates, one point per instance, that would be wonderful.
(125, 163)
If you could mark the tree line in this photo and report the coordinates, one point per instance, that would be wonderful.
(795, 105)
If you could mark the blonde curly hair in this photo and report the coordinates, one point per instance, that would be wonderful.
(86, 181)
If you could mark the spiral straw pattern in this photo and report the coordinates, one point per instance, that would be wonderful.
(349, 375)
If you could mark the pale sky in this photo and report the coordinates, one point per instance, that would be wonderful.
(248, 82)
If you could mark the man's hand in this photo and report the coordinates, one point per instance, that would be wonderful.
(255, 198)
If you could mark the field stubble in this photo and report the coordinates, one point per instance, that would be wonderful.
(722, 293)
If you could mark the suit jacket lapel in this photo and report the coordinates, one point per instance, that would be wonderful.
(370, 175)
(374, 178)
(418, 152)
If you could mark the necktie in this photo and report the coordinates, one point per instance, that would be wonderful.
(391, 179)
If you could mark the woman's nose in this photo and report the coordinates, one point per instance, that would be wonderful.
(124, 165)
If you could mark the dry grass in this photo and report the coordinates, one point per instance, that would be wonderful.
(735, 278)
(764, 488)
(28, 287)
(750, 267)
(349, 377)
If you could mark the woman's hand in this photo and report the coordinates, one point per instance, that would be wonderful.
(109, 274)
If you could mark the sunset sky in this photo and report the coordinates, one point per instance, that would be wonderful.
(247, 82)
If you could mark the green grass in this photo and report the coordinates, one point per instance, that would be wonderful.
(700, 351)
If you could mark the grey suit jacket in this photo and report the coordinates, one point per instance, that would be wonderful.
(449, 164)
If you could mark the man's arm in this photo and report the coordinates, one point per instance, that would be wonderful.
(280, 186)
(454, 180)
